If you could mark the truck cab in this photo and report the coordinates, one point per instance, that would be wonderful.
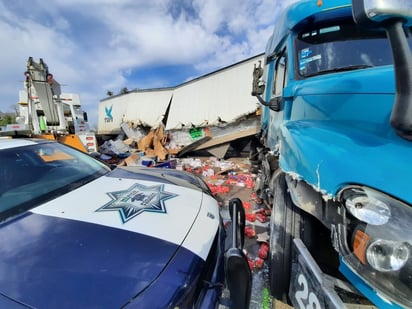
(335, 150)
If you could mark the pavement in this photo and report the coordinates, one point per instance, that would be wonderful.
(232, 178)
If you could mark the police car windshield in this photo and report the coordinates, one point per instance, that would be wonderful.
(340, 47)
(34, 174)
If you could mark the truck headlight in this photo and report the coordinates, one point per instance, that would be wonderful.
(380, 239)
(386, 255)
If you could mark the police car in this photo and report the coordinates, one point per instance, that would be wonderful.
(76, 233)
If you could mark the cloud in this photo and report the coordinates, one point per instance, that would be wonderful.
(92, 46)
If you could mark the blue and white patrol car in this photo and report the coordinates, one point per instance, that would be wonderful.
(76, 233)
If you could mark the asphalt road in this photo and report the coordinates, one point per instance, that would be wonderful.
(232, 178)
(238, 182)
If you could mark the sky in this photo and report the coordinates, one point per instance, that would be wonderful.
(95, 46)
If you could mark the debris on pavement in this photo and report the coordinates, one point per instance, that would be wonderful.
(217, 141)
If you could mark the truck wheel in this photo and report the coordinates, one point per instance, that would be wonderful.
(286, 223)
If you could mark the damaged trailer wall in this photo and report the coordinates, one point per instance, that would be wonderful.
(222, 95)
(140, 107)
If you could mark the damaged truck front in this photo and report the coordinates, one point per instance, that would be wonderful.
(335, 153)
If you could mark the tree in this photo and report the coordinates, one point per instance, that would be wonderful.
(6, 119)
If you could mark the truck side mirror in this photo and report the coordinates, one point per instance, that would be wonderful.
(392, 15)
(377, 11)
(258, 87)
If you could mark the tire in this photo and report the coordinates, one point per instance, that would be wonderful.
(287, 222)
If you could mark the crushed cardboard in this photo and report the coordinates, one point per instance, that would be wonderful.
(163, 144)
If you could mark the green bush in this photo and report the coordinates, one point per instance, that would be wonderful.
(6, 119)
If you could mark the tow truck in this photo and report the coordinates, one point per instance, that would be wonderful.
(46, 112)
(334, 153)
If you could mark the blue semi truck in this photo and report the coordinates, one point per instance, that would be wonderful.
(335, 153)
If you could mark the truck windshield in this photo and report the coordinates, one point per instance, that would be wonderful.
(340, 47)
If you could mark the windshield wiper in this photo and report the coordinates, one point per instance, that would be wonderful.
(341, 69)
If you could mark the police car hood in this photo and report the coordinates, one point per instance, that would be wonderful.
(104, 243)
